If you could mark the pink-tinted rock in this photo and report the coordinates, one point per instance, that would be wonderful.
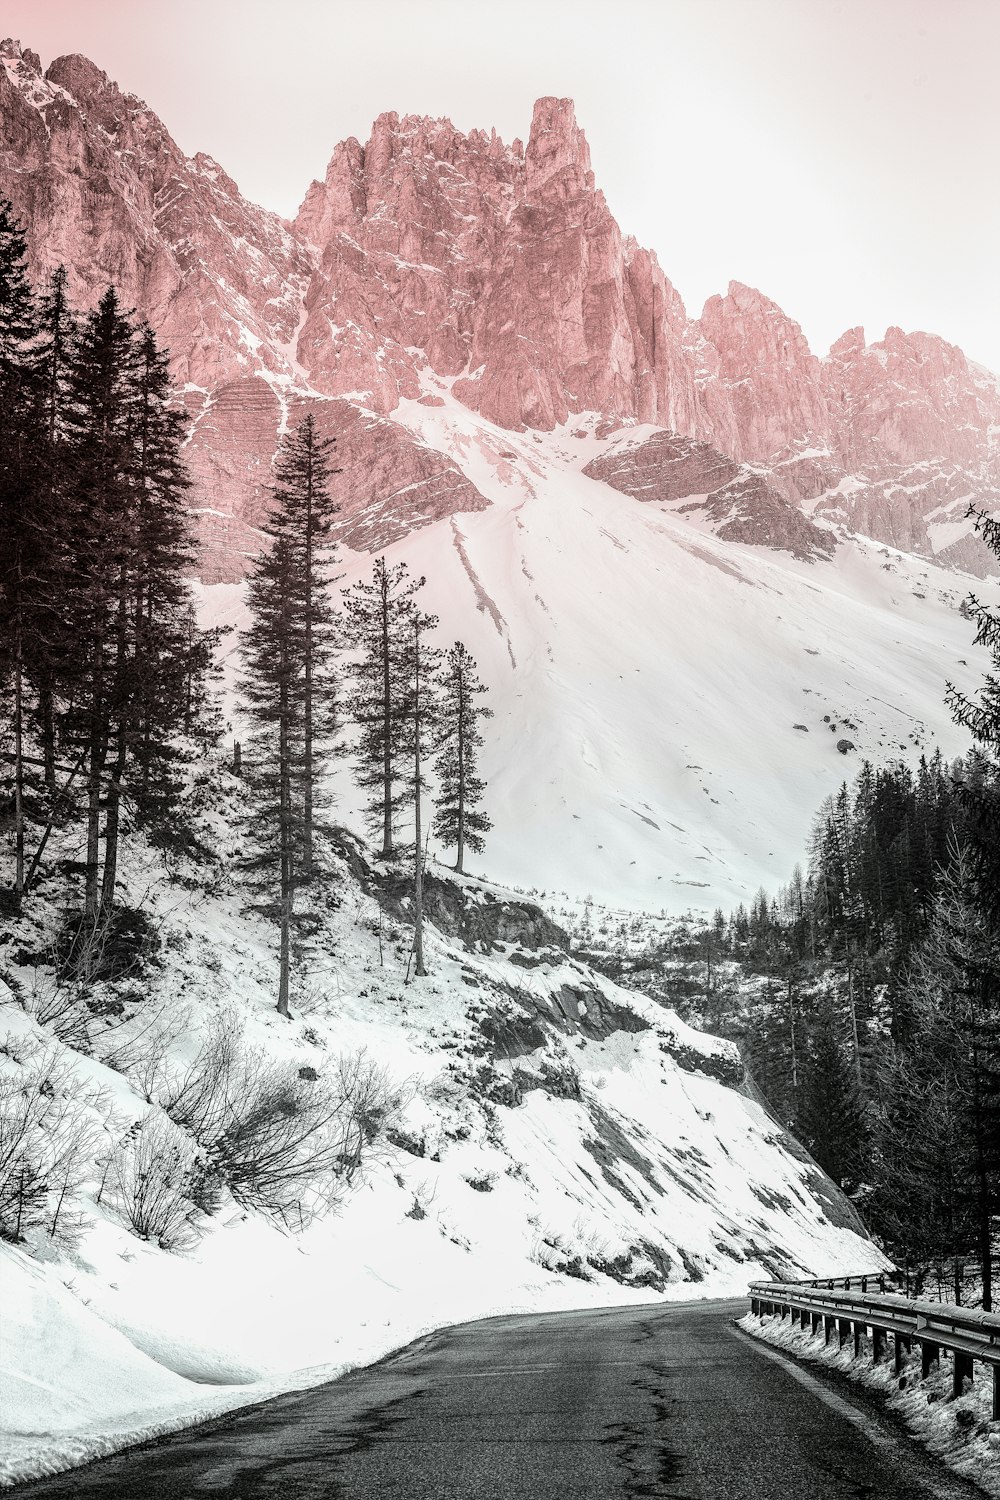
(389, 483)
(428, 250)
(104, 191)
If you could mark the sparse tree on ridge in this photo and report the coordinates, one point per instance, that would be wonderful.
(290, 678)
(458, 819)
(272, 650)
(421, 664)
(305, 512)
(378, 624)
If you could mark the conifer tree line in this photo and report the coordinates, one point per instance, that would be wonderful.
(370, 670)
(105, 676)
(866, 994)
(102, 667)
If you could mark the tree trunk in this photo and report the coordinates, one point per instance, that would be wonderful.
(94, 768)
(855, 1039)
(386, 730)
(46, 716)
(18, 769)
(307, 698)
(983, 1196)
(112, 821)
(285, 836)
(460, 861)
(418, 858)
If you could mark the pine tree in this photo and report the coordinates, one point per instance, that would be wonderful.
(272, 647)
(458, 819)
(378, 622)
(20, 539)
(421, 664)
(830, 1120)
(980, 790)
(305, 512)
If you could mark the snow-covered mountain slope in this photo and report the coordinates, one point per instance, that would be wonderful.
(668, 704)
(557, 1142)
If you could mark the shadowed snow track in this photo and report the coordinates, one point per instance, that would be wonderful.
(660, 1401)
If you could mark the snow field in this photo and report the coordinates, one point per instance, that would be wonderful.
(667, 705)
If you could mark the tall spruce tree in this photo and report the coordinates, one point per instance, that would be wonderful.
(272, 650)
(22, 543)
(377, 627)
(290, 676)
(421, 662)
(305, 512)
(458, 818)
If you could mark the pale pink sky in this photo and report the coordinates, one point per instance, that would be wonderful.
(839, 154)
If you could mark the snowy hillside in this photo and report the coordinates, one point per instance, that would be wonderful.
(668, 705)
(555, 1141)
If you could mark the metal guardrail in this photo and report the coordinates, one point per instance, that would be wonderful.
(934, 1326)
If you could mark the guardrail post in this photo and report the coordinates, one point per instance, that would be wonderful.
(843, 1329)
(962, 1369)
(930, 1354)
(815, 1319)
(878, 1344)
(828, 1323)
(996, 1393)
(755, 1306)
(864, 1286)
(859, 1329)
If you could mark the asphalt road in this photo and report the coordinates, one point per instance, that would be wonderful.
(620, 1402)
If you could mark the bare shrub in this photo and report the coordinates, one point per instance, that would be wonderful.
(49, 1139)
(139, 1047)
(60, 1003)
(154, 1172)
(283, 1138)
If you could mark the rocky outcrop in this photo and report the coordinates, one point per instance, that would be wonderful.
(740, 501)
(663, 466)
(105, 191)
(388, 483)
(497, 268)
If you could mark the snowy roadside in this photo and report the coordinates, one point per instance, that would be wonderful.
(957, 1431)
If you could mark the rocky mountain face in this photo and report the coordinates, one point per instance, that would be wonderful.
(428, 257)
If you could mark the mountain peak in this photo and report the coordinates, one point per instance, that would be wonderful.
(557, 150)
(81, 78)
(9, 48)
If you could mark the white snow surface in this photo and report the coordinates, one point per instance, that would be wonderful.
(486, 1207)
(667, 705)
(647, 679)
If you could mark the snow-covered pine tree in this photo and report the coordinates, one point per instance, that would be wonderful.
(458, 818)
(377, 619)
